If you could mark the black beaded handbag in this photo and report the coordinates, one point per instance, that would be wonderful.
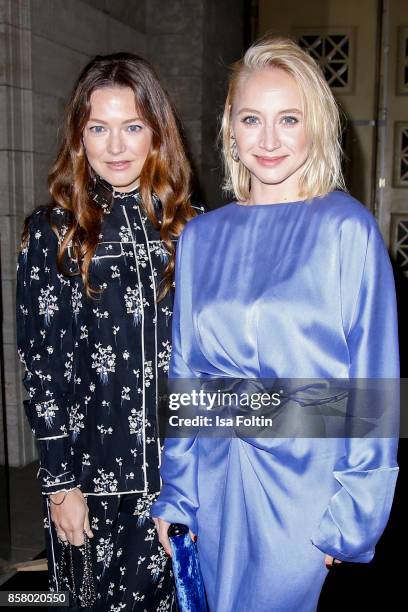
(80, 558)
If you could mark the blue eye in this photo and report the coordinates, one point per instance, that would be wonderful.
(250, 120)
(134, 128)
(289, 120)
(97, 129)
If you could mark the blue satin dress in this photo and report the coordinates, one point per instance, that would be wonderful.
(302, 289)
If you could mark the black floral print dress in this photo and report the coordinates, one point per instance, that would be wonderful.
(93, 367)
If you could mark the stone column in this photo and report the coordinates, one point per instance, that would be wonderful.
(16, 196)
(191, 43)
(223, 43)
(175, 48)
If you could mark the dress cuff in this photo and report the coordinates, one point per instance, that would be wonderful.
(56, 466)
(174, 512)
(328, 549)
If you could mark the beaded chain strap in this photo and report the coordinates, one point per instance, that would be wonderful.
(66, 576)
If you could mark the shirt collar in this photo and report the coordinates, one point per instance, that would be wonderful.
(105, 195)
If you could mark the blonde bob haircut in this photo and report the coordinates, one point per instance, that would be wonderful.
(322, 170)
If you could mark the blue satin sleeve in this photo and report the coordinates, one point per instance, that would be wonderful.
(178, 501)
(358, 512)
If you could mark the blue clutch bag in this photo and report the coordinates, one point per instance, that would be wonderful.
(186, 568)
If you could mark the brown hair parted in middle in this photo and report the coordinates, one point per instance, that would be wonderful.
(165, 172)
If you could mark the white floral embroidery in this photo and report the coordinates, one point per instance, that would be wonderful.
(125, 234)
(157, 563)
(34, 273)
(47, 303)
(103, 361)
(119, 461)
(76, 300)
(85, 460)
(164, 356)
(84, 333)
(104, 431)
(115, 272)
(148, 373)
(76, 421)
(135, 304)
(143, 505)
(142, 255)
(46, 410)
(136, 423)
(167, 312)
(100, 315)
(104, 550)
(106, 482)
(68, 366)
(125, 395)
(159, 249)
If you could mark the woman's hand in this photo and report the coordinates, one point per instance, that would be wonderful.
(71, 518)
(162, 528)
(330, 561)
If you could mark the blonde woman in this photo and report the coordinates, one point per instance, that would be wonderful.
(291, 280)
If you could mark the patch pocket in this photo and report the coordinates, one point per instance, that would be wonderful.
(107, 250)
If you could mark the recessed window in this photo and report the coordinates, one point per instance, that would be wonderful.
(401, 155)
(333, 51)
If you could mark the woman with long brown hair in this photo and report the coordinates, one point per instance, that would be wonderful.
(94, 306)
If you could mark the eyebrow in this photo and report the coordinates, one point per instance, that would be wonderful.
(94, 120)
(287, 110)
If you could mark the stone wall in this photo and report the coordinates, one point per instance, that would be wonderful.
(223, 35)
(43, 46)
(175, 48)
(192, 43)
(16, 195)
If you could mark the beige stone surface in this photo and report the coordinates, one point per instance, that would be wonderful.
(47, 122)
(55, 67)
(177, 55)
(129, 12)
(71, 23)
(175, 17)
(123, 37)
(9, 305)
(9, 239)
(14, 47)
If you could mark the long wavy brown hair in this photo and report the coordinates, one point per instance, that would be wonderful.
(165, 172)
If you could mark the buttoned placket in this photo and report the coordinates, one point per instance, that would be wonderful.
(156, 378)
(140, 289)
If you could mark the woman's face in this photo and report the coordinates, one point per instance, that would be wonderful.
(116, 139)
(269, 129)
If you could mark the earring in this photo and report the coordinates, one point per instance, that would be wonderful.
(234, 150)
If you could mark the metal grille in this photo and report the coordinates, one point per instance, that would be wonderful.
(401, 243)
(332, 50)
(401, 155)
